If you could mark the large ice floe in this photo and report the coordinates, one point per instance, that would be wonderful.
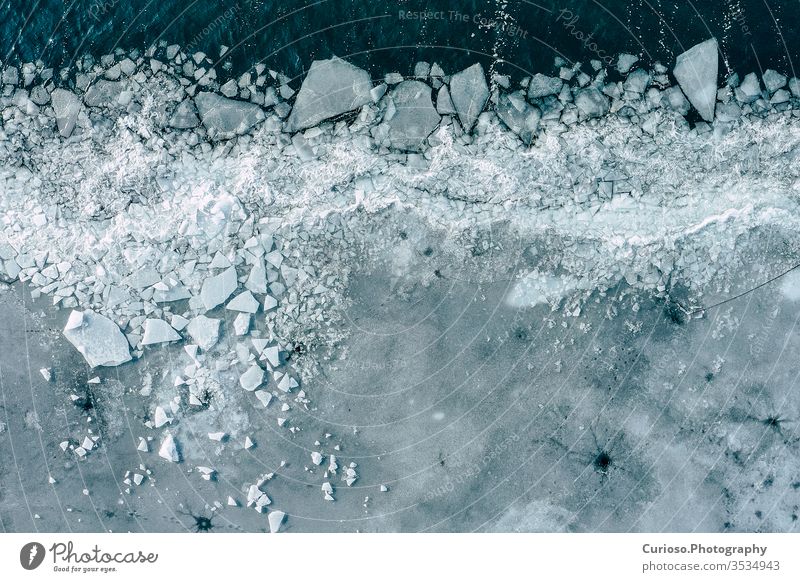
(149, 197)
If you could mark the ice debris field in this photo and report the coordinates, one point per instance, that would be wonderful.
(216, 226)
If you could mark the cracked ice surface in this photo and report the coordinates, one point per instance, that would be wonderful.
(689, 195)
(254, 248)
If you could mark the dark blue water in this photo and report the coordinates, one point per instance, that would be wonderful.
(383, 36)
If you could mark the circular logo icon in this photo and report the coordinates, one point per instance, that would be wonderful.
(31, 555)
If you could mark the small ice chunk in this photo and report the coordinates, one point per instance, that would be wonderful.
(248, 443)
(773, 80)
(46, 374)
(591, 102)
(244, 302)
(218, 288)
(316, 458)
(160, 417)
(257, 279)
(204, 331)
(227, 117)
(169, 449)
(66, 106)
(272, 354)
(217, 436)
(158, 331)
(469, 92)
(241, 325)
(287, 383)
(264, 397)
(232, 502)
(178, 322)
(252, 378)
(542, 86)
(184, 116)
(275, 520)
(625, 62)
(142, 446)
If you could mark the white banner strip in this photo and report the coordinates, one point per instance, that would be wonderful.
(299, 557)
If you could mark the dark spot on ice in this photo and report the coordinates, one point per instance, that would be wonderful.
(758, 513)
(202, 523)
(438, 274)
(403, 235)
(774, 422)
(428, 252)
(709, 376)
(85, 403)
(521, 334)
(602, 462)
(674, 313)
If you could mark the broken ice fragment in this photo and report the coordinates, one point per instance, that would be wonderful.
(217, 289)
(542, 86)
(169, 449)
(217, 436)
(264, 397)
(591, 102)
(316, 458)
(469, 92)
(98, 339)
(204, 331)
(257, 279)
(244, 302)
(184, 116)
(226, 118)
(74, 321)
(331, 87)
(415, 117)
(272, 355)
(287, 383)
(160, 417)
(241, 325)
(252, 378)
(696, 71)
(158, 331)
(625, 62)
(275, 520)
(520, 117)
(46, 374)
(66, 106)
(248, 443)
